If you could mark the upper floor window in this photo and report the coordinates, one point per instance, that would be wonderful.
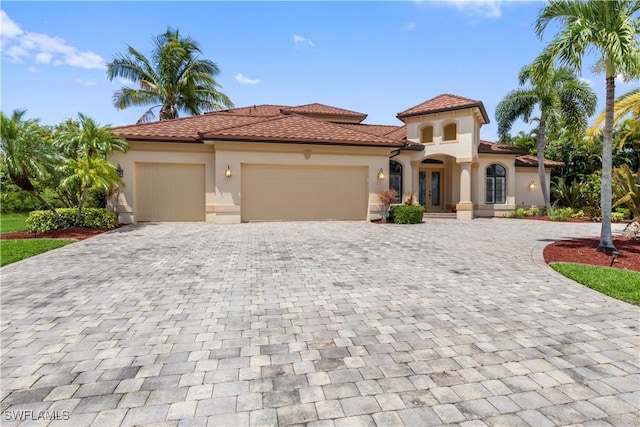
(496, 185)
(451, 132)
(426, 134)
(395, 179)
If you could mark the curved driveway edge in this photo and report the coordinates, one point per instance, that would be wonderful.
(323, 324)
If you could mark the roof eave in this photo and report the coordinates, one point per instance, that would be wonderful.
(300, 141)
(479, 105)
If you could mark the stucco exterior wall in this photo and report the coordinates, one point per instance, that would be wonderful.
(160, 152)
(227, 197)
(525, 197)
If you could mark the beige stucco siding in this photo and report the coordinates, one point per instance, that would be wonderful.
(525, 196)
(303, 193)
(163, 153)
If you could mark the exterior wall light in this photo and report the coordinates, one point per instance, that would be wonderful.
(120, 170)
(532, 185)
(380, 174)
(228, 172)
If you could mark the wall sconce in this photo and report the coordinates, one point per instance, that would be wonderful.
(228, 172)
(380, 174)
(120, 170)
(532, 185)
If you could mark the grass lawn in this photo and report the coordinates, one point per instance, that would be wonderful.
(15, 250)
(12, 222)
(614, 282)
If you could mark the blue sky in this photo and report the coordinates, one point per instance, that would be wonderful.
(378, 58)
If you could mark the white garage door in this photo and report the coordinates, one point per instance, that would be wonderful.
(169, 192)
(303, 193)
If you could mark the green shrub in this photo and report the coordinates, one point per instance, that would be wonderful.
(561, 214)
(617, 217)
(405, 214)
(532, 211)
(41, 221)
(593, 213)
(625, 211)
(578, 214)
(518, 213)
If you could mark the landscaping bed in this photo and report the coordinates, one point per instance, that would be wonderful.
(74, 233)
(585, 251)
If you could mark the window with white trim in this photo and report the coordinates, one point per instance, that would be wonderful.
(496, 185)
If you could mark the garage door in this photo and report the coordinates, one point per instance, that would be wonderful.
(303, 193)
(169, 192)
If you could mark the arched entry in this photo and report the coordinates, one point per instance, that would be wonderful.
(431, 186)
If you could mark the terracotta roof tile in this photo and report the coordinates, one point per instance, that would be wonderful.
(324, 110)
(444, 102)
(264, 110)
(532, 161)
(380, 130)
(492, 147)
(184, 129)
(300, 129)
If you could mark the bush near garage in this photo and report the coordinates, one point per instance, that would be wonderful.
(41, 221)
(405, 214)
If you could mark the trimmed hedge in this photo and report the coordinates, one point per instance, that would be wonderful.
(41, 221)
(407, 214)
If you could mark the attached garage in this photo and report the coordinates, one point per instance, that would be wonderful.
(169, 192)
(303, 193)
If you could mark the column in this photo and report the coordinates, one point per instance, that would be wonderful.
(464, 208)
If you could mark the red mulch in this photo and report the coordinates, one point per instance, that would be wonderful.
(585, 251)
(74, 233)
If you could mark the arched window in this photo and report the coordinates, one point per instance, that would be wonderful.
(395, 179)
(426, 134)
(450, 132)
(496, 184)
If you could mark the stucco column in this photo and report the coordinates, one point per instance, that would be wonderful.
(415, 187)
(464, 208)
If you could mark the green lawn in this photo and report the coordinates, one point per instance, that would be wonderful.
(12, 222)
(15, 250)
(614, 282)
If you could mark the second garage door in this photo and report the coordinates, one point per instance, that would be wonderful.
(303, 193)
(170, 192)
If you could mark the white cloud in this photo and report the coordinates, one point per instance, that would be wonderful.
(410, 26)
(85, 83)
(19, 45)
(241, 78)
(33, 69)
(298, 39)
(586, 80)
(484, 8)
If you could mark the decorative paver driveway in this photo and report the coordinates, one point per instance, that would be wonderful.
(324, 324)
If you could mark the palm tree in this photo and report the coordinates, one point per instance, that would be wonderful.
(610, 29)
(562, 100)
(175, 79)
(86, 145)
(25, 155)
(626, 105)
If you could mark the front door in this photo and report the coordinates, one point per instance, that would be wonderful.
(431, 190)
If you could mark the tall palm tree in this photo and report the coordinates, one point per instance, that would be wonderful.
(174, 79)
(25, 155)
(561, 98)
(627, 105)
(86, 145)
(610, 29)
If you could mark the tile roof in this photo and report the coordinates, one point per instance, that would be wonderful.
(299, 129)
(444, 102)
(492, 147)
(323, 110)
(532, 161)
(264, 110)
(380, 130)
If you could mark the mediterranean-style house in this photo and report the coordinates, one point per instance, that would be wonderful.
(317, 162)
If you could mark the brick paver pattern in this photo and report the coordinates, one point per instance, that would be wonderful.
(323, 324)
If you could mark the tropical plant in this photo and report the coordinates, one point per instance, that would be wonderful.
(561, 98)
(86, 145)
(628, 189)
(386, 198)
(611, 29)
(174, 79)
(627, 105)
(25, 155)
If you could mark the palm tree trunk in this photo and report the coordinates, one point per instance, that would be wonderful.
(541, 173)
(606, 239)
(61, 222)
(83, 197)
